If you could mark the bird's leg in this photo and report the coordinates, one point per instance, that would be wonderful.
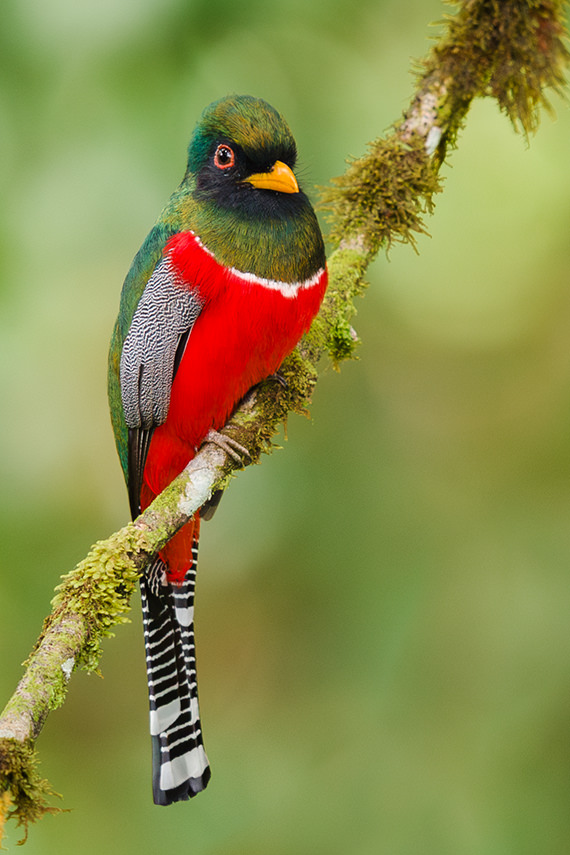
(232, 448)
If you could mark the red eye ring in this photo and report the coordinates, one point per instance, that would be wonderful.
(224, 157)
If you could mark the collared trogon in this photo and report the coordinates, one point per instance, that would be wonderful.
(222, 289)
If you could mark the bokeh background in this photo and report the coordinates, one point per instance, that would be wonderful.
(384, 651)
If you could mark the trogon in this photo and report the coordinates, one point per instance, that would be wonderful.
(222, 289)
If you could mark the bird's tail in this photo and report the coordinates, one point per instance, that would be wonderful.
(180, 765)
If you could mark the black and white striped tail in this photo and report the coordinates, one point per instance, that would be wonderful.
(180, 767)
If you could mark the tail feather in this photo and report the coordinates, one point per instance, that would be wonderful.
(180, 765)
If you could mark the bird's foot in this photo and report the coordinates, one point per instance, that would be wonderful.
(278, 378)
(232, 448)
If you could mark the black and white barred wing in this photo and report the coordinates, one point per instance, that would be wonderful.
(180, 765)
(153, 348)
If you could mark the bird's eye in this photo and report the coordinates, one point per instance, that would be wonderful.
(224, 157)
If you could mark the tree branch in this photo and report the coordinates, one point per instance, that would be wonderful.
(511, 50)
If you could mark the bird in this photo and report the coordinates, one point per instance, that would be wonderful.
(221, 291)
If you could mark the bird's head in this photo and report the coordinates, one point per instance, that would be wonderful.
(241, 145)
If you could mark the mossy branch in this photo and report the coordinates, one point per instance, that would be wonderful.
(511, 50)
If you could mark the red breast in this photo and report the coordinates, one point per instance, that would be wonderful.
(246, 328)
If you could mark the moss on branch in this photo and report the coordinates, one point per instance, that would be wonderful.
(24, 794)
(511, 50)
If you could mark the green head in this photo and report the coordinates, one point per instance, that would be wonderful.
(257, 130)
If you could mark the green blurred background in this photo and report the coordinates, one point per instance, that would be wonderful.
(383, 605)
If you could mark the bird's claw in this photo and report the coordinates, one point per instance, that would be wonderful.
(232, 448)
(278, 378)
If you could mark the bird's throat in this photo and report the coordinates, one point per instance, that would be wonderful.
(276, 248)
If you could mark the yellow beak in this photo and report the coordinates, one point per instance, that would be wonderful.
(279, 178)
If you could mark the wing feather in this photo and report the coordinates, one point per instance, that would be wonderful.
(151, 354)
